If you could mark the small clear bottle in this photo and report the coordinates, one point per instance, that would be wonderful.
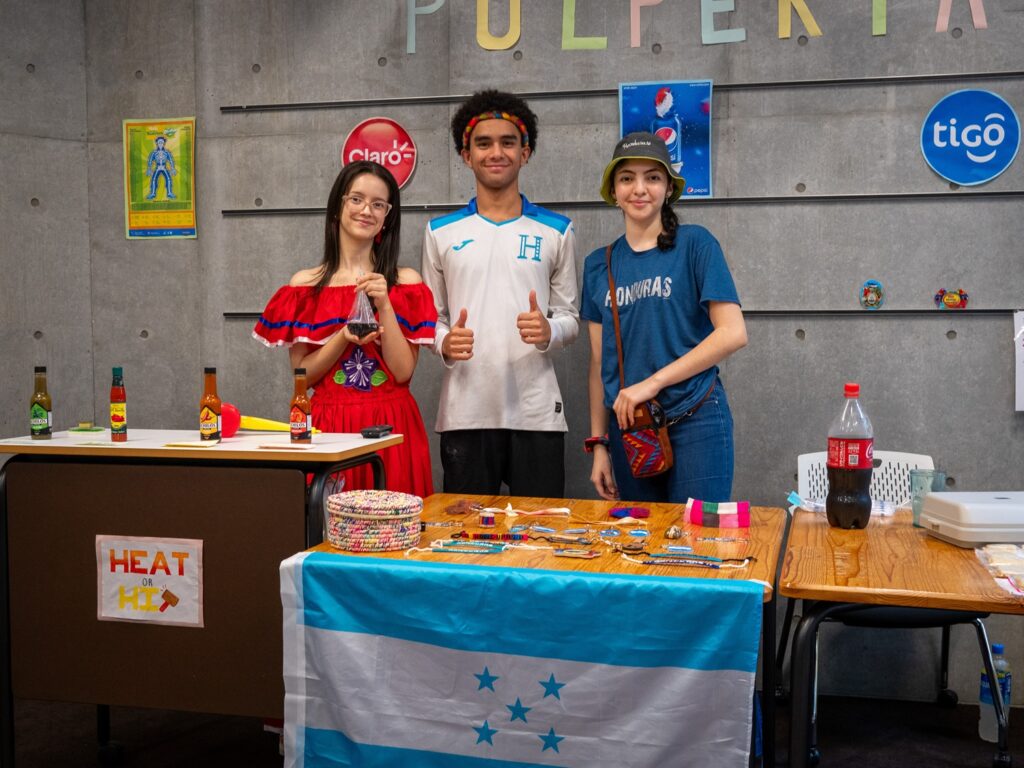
(988, 726)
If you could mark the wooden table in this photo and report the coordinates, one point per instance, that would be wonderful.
(889, 563)
(251, 507)
(762, 542)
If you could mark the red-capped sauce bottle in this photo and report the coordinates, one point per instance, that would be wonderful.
(301, 417)
(118, 407)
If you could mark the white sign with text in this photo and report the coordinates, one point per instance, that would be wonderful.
(147, 579)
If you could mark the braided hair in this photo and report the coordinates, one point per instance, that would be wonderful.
(669, 225)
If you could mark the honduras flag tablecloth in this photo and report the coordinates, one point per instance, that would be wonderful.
(439, 665)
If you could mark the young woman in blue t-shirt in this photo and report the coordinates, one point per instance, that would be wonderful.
(679, 315)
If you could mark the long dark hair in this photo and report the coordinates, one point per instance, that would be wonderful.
(386, 252)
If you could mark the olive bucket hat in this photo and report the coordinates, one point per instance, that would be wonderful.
(640, 146)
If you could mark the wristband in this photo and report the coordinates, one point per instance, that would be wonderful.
(590, 442)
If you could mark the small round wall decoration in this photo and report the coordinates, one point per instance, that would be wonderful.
(872, 295)
(951, 299)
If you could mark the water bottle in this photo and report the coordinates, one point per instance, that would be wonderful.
(988, 727)
(851, 448)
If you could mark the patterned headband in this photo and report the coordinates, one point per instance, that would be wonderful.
(517, 122)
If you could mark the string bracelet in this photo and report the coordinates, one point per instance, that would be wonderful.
(729, 539)
(687, 562)
(491, 536)
(510, 513)
(556, 538)
(688, 556)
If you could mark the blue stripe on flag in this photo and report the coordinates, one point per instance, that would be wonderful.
(332, 749)
(539, 613)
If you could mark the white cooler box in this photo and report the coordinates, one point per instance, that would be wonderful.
(974, 519)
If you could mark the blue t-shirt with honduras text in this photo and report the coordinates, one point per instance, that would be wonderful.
(663, 310)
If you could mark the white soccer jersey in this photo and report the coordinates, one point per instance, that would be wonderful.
(490, 269)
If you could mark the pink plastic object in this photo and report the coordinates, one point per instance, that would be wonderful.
(230, 418)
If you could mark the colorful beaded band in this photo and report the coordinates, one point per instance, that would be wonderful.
(517, 122)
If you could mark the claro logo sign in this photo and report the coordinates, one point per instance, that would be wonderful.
(383, 141)
(970, 137)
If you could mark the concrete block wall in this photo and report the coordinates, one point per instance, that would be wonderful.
(78, 297)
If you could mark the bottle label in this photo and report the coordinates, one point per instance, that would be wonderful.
(1005, 682)
(209, 424)
(301, 425)
(40, 420)
(844, 453)
(118, 419)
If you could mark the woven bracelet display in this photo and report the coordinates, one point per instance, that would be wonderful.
(373, 521)
(726, 514)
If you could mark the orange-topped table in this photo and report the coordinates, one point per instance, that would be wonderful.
(761, 542)
(889, 563)
(246, 498)
(760, 545)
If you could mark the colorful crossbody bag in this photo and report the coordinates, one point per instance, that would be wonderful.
(646, 443)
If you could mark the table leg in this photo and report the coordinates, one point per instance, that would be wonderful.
(768, 683)
(6, 693)
(803, 663)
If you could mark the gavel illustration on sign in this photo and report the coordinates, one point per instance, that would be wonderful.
(169, 598)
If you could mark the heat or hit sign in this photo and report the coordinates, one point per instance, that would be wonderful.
(150, 580)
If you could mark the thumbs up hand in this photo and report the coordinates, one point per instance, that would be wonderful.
(458, 344)
(533, 324)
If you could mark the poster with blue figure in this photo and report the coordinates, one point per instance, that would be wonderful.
(159, 178)
(678, 111)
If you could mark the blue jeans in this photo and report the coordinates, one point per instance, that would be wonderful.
(702, 452)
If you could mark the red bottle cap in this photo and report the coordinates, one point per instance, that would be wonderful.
(852, 389)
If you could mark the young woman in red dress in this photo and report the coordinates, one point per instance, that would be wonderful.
(363, 380)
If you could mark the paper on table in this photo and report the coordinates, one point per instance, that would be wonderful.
(193, 444)
(880, 507)
(286, 446)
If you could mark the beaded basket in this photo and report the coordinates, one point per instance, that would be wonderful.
(373, 521)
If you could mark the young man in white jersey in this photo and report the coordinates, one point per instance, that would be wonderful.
(503, 274)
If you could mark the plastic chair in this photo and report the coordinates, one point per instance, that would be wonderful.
(890, 480)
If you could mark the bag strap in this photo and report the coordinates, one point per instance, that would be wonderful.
(615, 315)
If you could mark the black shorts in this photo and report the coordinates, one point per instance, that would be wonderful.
(480, 460)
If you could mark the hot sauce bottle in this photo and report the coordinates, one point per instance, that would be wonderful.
(209, 407)
(118, 408)
(40, 408)
(301, 418)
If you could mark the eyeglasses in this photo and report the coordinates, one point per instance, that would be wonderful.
(358, 203)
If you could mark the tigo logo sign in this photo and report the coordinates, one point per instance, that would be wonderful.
(970, 137)
(383, 141)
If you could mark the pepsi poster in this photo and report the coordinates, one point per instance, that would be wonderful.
(680, 112)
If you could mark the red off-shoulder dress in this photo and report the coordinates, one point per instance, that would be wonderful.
(359, 390)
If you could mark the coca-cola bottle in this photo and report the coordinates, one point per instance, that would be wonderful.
(850, 455)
